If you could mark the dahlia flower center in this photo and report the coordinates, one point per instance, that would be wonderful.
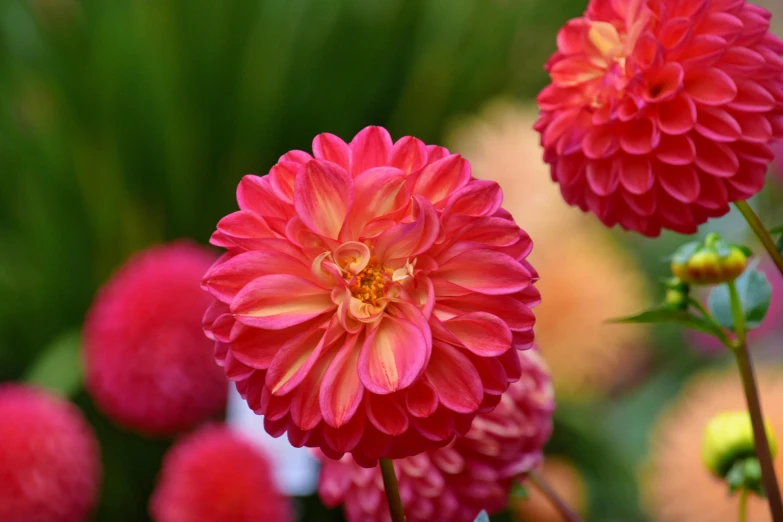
(370, 283)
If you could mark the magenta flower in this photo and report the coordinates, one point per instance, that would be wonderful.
(372, 298)
(213, 475)
(50, 466)
(149, 367)
(474, 472)
(661, 112)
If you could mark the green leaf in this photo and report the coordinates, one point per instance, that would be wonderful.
(519, 491)
(754, 292)
(482, 517)
(670, 315)
(59, 367)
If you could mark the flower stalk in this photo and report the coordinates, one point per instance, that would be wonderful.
(743, 505)
(392, 490)
(562, 507)
(761, 232)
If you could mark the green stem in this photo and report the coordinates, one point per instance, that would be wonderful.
(723, 335)
(763, 452)
(392, 490)
(554, 498)
(743, 505)
(761, 232)
(737, 313)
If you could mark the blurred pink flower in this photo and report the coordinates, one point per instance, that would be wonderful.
(214, 475)
(661, 112)
(149, 367)
(49, 458)
(473, 473)
(372, 298)
(777, 163)
(770, 325)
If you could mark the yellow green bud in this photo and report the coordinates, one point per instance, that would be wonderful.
(710, 262)
(728, 439)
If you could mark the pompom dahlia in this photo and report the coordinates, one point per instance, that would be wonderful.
(372, 298)
(474, 472)
(149, 367)
(661, 112)
(49, 458)
(213, 475)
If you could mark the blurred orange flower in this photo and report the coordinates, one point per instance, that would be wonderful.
(676, 484)
(566, 480)
(586, 277)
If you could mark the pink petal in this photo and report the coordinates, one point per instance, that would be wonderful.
(602, 176)
(717, 125)
(305, 404)
(599, 142)
(752, 97)
(341, 390)
(226, 280)
(256, 194)
(408, 154)
(511, 309)
(676, 150)
(324, 193)
(257, 348)
(421, 398)
(703, 51)
(244, 228)
(711, 87)
(755, 127)
(639, 137)
(393, 356)
(386, 414)
(477, 198)
(406, 240)
(379, 191)
(278, 301)
(665, 83)
(346, 437)
(682, 183)
(636, 174)
(331, 148)
(370, 148)
(440, 179)
(677, 116)
(293, 361)
(485, 271)
(716, 158)
(455, 379)
(282, 178)
(493, 375)
(674, 32)
(481, 333)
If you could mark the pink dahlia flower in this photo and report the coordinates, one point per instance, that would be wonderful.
(214, 475)
(49, 458)
(473, 473)
(372, 298)
(149, 367)
(661, 112)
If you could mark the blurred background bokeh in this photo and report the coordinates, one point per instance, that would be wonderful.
(129, 123)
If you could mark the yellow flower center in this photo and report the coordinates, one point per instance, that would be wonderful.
(371, 281)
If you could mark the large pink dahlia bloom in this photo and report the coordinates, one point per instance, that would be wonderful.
(473, 473)
(50, 465)
(372, 298)
(149, 367)
(213, 475)
(661, 112)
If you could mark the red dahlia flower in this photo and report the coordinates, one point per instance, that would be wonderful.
(148, 365)
(49, 458)
(473, 473)
(372, 298)
(214, 475)
(661, 112)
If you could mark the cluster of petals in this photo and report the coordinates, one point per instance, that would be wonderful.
(214, 475)
(49, 458)
(662, 112)
(473, 473)
(148, 366)
(372, 297)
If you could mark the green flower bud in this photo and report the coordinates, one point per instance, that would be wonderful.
(710, 262)
(728, 450)
(677, 293)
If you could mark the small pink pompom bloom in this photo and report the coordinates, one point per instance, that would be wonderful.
(50, 466)
(474, 472)
(372, 298)
(661, 112)
(149, 367)
(213, 475)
